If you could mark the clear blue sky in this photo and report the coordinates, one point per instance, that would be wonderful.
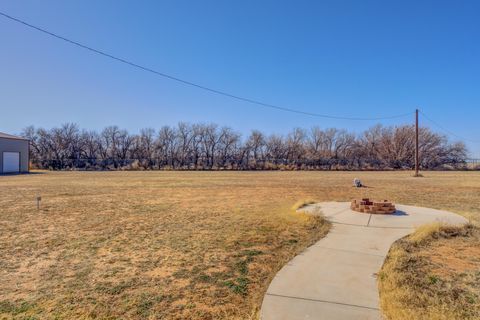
(347, 58)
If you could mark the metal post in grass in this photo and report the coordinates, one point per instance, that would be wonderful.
(38, 202)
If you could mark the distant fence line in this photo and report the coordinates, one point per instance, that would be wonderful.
(201, 164)
(93, 164)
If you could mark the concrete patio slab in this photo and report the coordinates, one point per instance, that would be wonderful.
(336, 277)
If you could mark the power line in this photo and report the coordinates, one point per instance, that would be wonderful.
(446, 130)
(189, 83)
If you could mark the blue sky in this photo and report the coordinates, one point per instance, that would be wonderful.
(345, 58)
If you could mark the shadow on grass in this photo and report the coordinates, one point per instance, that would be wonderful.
(20, 174)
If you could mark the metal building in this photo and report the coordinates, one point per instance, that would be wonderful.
(14, 154)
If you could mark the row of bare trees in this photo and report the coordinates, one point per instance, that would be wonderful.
(210, 147)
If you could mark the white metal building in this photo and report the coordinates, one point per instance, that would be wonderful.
(14, 154)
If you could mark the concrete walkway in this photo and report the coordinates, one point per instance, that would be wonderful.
(336, 277)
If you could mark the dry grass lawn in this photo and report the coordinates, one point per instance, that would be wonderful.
(175, 245)
(433, 274)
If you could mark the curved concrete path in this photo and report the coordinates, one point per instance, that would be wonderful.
(336, 277)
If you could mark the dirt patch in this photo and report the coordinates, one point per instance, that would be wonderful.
(449, 258)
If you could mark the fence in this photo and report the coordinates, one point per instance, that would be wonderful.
(237, 164)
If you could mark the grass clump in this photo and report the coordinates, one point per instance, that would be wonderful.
(425, 233)
(15, 308)
(437, 230)
(303, 203)
(433, 274)
(239, 286)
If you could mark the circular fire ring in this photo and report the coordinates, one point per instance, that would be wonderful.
(375, 207)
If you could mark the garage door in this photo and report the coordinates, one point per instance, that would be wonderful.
(11, 162)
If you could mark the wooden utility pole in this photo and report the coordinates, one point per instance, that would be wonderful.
(416, 143)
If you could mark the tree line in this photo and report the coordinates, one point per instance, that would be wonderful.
(212, 147)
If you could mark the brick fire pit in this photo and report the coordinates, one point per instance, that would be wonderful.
(376, 207)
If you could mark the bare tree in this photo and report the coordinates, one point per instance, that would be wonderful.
(255, 148)
(228, 142)
(166, 146)
(206, 146)
(276, 150)
(295, 145)
(185, 136)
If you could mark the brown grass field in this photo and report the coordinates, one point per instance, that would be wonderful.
(434, 274)
(176, 245)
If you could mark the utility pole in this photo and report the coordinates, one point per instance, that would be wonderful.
(416, 143)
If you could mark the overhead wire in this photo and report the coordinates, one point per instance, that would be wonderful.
(451, 133)
(196, 85)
